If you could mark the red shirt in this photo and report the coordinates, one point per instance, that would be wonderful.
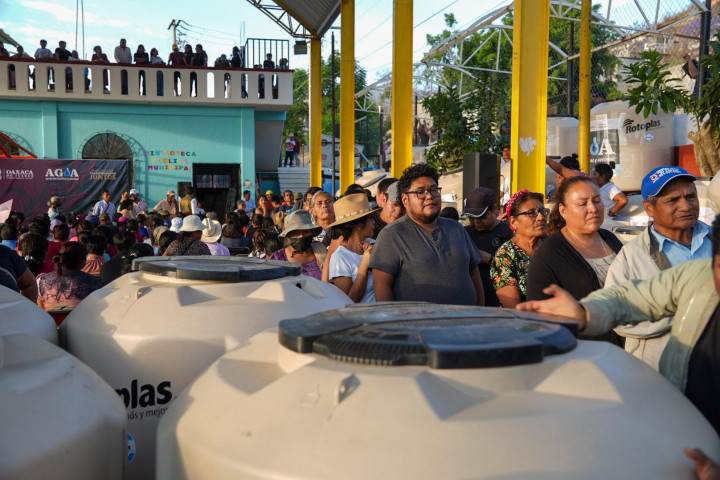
(176, 58)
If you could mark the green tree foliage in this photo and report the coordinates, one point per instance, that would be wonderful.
(487, 97)
(297, 114)
(654, 89)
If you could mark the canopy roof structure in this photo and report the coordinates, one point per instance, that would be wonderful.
(300, 18)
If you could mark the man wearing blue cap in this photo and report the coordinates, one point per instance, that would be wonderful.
(674, 237)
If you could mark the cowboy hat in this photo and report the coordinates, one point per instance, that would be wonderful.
(212, 231)
(351, 207)
(299, 220)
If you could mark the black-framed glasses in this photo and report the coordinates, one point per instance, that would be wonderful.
(422, 193)
(535, 212)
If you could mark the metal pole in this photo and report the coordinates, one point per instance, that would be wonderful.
(382, 140)
(584, 96)
(347, 93)
(315, 107)
(402, 86)
(332, 87)
(528, 130)
(704, 38)
(571, 73)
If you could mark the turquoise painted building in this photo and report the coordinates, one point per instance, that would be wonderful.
(171, 140)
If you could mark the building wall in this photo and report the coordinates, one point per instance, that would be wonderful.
(165, 140)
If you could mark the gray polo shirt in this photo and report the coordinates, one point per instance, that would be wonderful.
(429, 268)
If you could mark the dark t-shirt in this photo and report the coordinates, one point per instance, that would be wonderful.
(199, 59)
(63, 54)
(379, 224)
(11, 268)
(703, 386)
(489, 242)
(141, 56)
(427, 268)
(112, 269)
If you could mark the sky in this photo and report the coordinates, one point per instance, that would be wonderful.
(219, 24)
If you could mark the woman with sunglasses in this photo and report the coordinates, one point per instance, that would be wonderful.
(508, 271)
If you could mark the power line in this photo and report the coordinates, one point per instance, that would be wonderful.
(414, 27)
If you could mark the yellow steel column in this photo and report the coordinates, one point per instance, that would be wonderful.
(584, 86)
(315, 104)
(402, 87)
(347, 94)
(529, 94)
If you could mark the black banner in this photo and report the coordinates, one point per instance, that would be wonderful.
(30, 182)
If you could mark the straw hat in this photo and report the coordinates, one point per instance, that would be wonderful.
(192, 223)
(212, 231)
(158, 232)
(351, 207)
(300, 220)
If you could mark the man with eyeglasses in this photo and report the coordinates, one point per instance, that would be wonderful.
(422, 257)
(487, 233)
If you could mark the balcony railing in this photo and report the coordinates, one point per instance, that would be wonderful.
(157, 84)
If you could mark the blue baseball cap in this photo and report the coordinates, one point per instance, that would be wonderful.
(656, 180)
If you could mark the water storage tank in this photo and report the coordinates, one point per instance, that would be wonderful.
(150, 332)
(635, 144)
(425, 392)
(20, 315)
(59, 419)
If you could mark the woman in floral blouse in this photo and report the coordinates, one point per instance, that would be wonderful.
(509, 269)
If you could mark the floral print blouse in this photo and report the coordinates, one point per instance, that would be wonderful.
(510, 267)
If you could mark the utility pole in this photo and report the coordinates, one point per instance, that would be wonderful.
(174, 24)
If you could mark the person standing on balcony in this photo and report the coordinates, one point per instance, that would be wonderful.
(44, 53)
(20, 54)
(268, 63)
(156, 60)
(238, 58)
(140, 57)
(176, 58)
(199, 59)
(100, 57)
(123, 54)
(62, 54)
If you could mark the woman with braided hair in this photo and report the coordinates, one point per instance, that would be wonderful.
(68, 285)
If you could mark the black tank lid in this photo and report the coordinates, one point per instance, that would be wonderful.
(439, 336)
(217, 269)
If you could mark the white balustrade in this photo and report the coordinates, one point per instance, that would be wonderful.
(30, 80)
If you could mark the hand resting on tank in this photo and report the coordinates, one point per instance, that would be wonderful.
(561, 303)
(705, 468)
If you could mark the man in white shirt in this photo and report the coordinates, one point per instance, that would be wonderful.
(139, 205)
(104, 205)
(249, 203)
(44, 53)
(123, 55)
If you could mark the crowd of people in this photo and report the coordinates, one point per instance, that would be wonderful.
(654, 295)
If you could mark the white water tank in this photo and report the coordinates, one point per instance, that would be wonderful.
(636, 144)
(20, 315)
(427, 391)
(59, 419)
(151, 332)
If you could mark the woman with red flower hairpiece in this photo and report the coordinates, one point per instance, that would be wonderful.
(528, 219)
